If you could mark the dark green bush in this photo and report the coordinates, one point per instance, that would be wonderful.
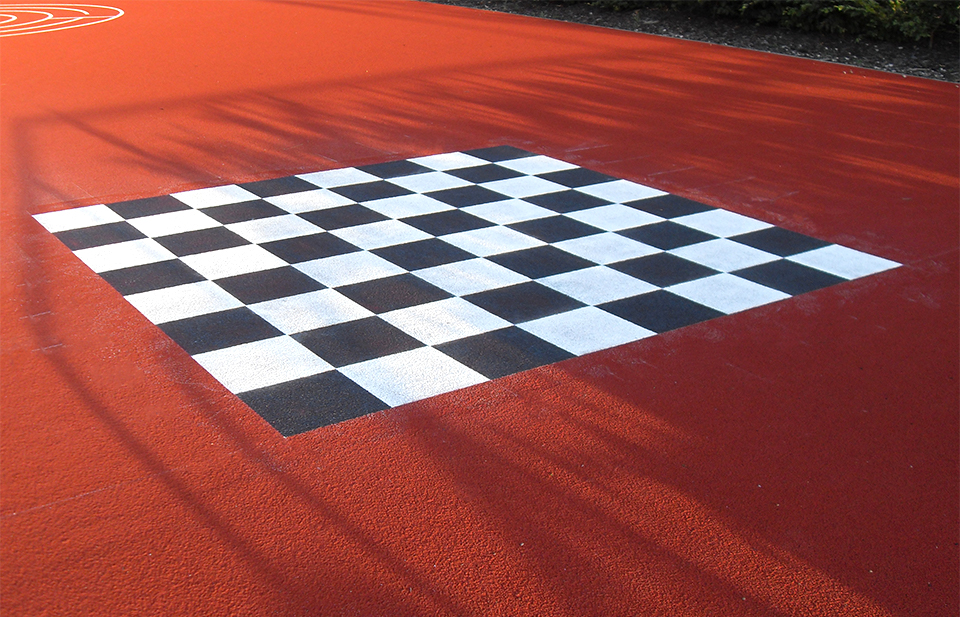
(892, 20)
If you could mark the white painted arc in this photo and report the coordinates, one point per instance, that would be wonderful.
(52, 17)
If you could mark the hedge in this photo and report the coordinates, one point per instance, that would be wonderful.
(891, 20)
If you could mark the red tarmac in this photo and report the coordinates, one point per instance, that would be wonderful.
(795, 459)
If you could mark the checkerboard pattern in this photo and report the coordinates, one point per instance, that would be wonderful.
(326, 296)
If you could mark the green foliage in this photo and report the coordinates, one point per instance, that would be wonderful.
(914, 20)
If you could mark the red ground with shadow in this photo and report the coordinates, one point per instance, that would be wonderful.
(796, 459)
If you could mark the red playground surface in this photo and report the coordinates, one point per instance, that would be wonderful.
(796, 458)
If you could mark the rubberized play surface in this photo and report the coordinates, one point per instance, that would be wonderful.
(392, 308)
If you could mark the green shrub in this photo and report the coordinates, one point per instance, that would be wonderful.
(895, 20)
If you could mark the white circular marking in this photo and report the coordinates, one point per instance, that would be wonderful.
(20, 19)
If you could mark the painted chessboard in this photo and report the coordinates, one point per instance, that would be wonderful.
(325, 296)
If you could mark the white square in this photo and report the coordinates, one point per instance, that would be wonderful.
(169, 223)
(309, 201)
(727, 293)
(407, 205)
(261, 363)
(585, 330)
(606, 248)
(412, 375)
(274, 228)
(123, 255)
(843, 262)
(509, 211)
(448, 161)
(722, 223)
(230, 262)
(443, 321)
(614, 217)
(471, 276)
(77, 218)
(380, 234)
(182, 301)
(348, 269)
(620, 191)
(492, 241)
(597, 285)
(215, 196)
(524, 186)
(724, 255)
(536, 165)
(433, 181)
(338, 177)
(309, 311)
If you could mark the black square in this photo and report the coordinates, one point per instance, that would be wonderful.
(660, 311)
(392, 293)
(369, 191)
(148, 277)
(268, 285)
(467, 196)
(307, 248)
(503, 352)
(201, 241)
(666, 235)
(395, 169)
(136, 208)
(344, 216)
(788, 277)
(422, 254)
(555, 228)
(541, 261)
(357, 341)
(243, 211)
(669, 206)
(577, 177)
(294, 407)
(523, 302)
(447, 222)
(499, 153)
(278, 186)
(484, 173)
(566, 201)
(663, 269)
(219, 330)
(779, 241)
(99, 235)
